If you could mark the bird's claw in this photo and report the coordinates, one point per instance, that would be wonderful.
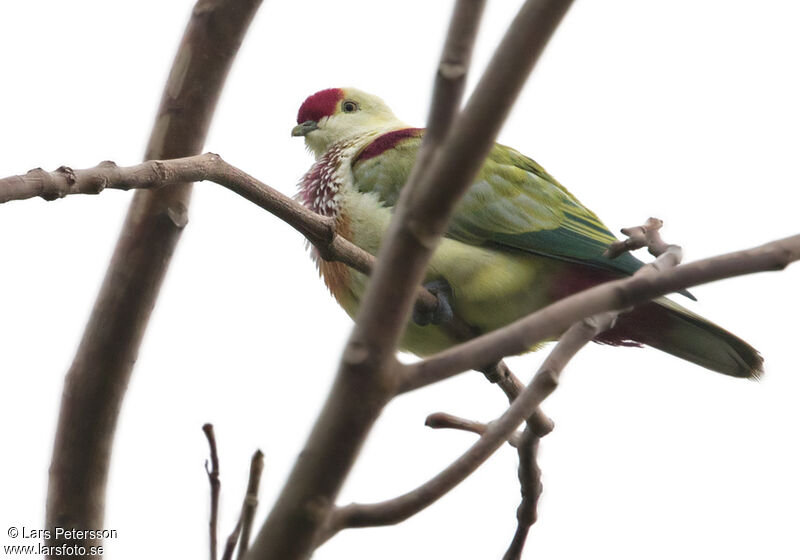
(443, 311)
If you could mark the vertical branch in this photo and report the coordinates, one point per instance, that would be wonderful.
(96, 382)
(250, 502)
(530, 485)
(213, 481)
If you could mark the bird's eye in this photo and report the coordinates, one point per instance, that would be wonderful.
(349, 107)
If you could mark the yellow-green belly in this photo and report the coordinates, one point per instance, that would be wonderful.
(489, 290)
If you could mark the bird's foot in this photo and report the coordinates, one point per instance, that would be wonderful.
(443, 311)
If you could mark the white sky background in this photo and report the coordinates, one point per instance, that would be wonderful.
(683, 110)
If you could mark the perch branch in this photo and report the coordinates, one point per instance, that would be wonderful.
(96, 382)
(213, 480)
(550, 321)
(156, 174)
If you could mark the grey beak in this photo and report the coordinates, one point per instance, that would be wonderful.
(304, 128)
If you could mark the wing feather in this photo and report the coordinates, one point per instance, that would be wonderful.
(514, 204)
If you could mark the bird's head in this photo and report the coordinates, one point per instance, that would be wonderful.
(333, 115)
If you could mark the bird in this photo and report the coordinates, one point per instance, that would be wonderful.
(516, 242)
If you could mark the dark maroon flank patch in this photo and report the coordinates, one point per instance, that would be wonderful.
(387, 142)
(321, 104)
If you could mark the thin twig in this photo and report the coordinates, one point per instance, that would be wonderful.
(230, 542)
(95, 385)
(250, 502)
(241, 531)
(441, 420)
(646, 235)
(213, 480)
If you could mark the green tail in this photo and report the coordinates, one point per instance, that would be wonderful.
(665, 325)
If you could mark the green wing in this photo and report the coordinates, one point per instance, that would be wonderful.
(514, 204)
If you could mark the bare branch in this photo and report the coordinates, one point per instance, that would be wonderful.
(451, 75)
(441, 420)
(230, 542)
(241, 532)
(530, 487)
(250, 502)
(646, 235)
(213, 480)
(510, 384)
(156, 174)
(96, 382)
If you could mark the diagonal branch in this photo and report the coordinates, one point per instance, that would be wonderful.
(157, 174)
(550, 321)
(441, 420)
(96, 382)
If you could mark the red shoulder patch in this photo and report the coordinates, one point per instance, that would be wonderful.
(321, 104)
(387, 141)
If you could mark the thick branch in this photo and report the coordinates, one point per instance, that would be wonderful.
(95, 384)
